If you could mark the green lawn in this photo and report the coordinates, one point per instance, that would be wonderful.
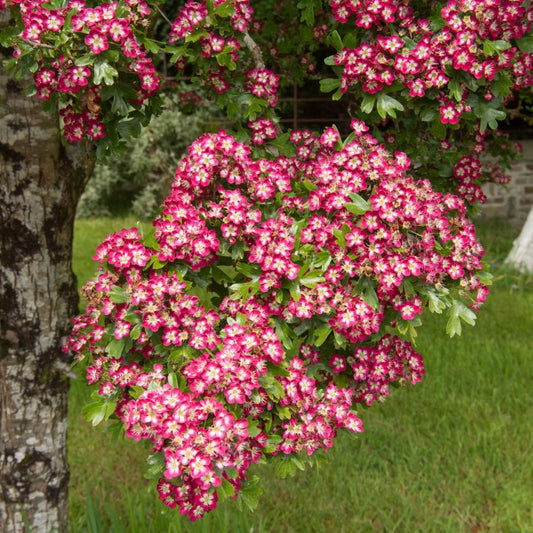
(449, 454)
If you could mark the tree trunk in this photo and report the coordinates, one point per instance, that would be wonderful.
(40, 184)
(521, 254)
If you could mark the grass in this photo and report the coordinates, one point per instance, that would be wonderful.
(450, 454)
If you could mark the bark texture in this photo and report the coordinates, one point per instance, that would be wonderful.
(521, 255)
(40, 184)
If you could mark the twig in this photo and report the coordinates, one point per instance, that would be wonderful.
(163, 15)
(38, 45)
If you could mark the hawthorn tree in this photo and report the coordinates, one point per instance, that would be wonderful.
(285, 276)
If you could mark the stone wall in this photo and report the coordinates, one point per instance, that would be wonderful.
(514, 201)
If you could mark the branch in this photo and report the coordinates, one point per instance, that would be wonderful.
(257, 55)
(37, 45)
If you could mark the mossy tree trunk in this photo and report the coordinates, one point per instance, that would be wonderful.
(40, 184)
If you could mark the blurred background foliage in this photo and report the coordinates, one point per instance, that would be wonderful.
(139, 180)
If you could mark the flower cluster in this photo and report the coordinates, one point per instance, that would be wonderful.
(193, 14)
(371, 13)
(420, 58)
(199, 439)
(263, 129)
(74, 70)
(214, 42)
(258, 313)
(263, 83)
(471, 170)
(76, 126)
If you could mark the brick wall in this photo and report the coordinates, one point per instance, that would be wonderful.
(515, 202)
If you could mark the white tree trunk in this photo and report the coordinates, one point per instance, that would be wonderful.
(521, 255)
(39, 188)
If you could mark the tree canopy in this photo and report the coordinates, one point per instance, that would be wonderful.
(283, 280)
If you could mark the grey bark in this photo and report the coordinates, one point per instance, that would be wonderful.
(40, 184)
(521, 255)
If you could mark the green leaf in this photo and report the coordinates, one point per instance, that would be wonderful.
(466, 314)
(352, 40)
(525, 44)
(150, 241)
(502, 84)
(387, 106)
(173, 380)
(294, 289)
(492, 47)
(311, 279)
(223, 274)
(119, 106)
(286, 336)
(298, 462)
(116, 347)
(104, 73)
(490, 117)
(232, 472)
(435, 304)
(224, 10)
(8, 34)
(485, 277)
(368, 103)
(428, 115)
(226, 60)
(237, 250)
(323, 260)
(453, 327)
(99, 411)
(250, 270)
(437, 22)
(150, 45)
(459, 311)
(272, 386)
(253, 428)
(135, 333)
(337, 95)
(272, 444)
(335, 40)
(308, 10)
(358, 205)
(225, 490)
(283, 413)
(320, 335)
(129, 128)
(454, 89)
(118, 295)
(85, 60)
(156, 466)
(339, 235)
(340, 340)
(286, 468)
(370, 296)
(250, 492)
(330, 61)
(438, 129)
(329, 84)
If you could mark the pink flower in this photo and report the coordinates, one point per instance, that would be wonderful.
(96, 41)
